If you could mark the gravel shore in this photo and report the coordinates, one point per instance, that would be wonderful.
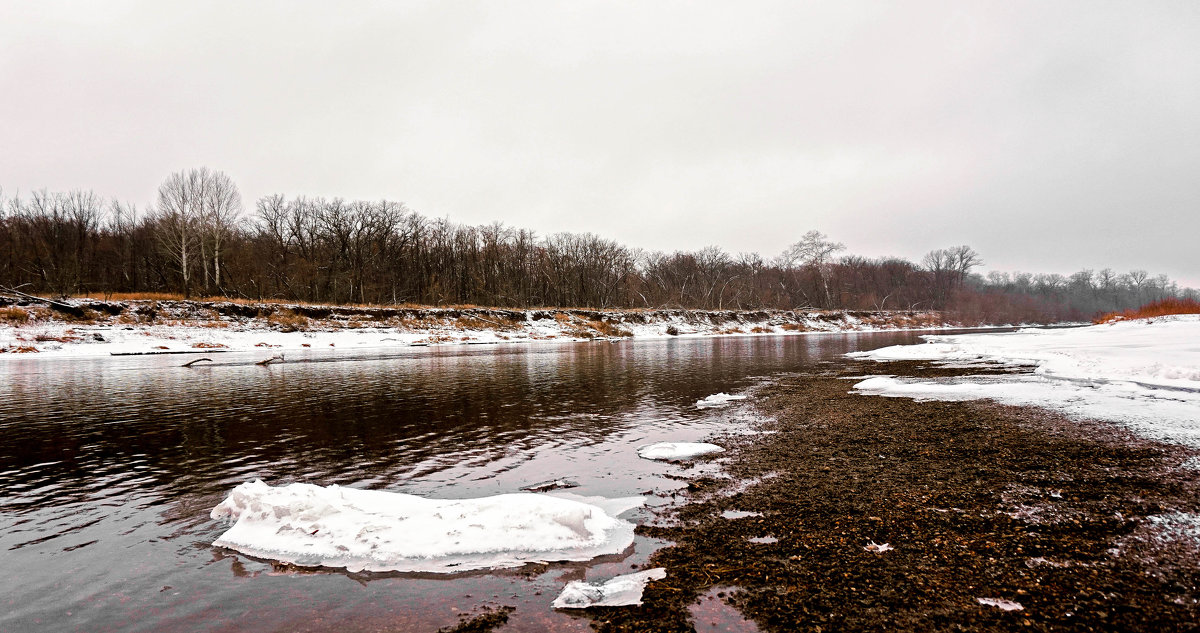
(997, 518)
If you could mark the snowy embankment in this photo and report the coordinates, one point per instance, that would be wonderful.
(1143, 373)
(372, 530)
(181, 327)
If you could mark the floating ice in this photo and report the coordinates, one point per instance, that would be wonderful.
(1007, 605)
(717, 400)
(616, 592)
(373, 530)
(677, 450)
(1144, 373)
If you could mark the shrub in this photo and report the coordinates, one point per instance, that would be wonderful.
(14, 315)
(288, 321)
(1160, 308)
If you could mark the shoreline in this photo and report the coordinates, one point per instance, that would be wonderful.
(145, 327)
(1084, 525)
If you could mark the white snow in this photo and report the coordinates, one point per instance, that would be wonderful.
(878, 548)
(616, 592)
(677, 450)
(374, 530)
(717, 400)
(1142, 373)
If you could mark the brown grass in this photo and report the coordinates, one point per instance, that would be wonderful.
(288, 321)
(795, 327)
(14, 315)
(1161, 308)
(758, 329)
(19, 349)
(50, 338)
(609, 329)
(205, 345)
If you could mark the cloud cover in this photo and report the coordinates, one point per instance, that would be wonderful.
(1049, 136)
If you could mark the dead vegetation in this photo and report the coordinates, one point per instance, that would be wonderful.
(1165, 307)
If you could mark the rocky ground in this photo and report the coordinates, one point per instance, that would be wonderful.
(995, 518)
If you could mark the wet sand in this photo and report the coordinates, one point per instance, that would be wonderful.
(979, 501)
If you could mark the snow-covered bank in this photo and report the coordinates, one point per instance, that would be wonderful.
(373, 530)
(1143, 373)
(145, 327)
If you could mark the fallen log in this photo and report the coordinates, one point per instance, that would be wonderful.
(182, 351)
(57, 305)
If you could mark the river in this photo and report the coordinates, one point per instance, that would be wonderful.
(109, 468)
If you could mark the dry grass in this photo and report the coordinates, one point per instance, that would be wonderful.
(51, 338)
(609, 329)
(206, 345)
(14, 315)
(288, 321)
(18, 349)
(1161, 308)
(758, 329)
(796, 327)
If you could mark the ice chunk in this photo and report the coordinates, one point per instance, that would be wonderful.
(677, 450)
(1007, 605)
(717, 400)
(616, 592)
(374, 530)
(878, 548)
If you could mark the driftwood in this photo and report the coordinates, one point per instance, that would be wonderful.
(270, 360)
(183, 351)
(57, 305)
(193, 362)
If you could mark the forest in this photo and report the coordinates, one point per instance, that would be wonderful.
(198, 240)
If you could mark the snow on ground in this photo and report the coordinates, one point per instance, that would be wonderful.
(668, 451)
(372, 530)
(1143, 373)
(717, 400)
(185, 332)
(620, 591)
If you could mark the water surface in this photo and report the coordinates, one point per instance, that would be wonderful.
(109, 467)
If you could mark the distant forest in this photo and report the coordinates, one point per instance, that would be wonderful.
(198, 240)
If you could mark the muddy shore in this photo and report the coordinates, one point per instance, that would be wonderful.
(1074, 521)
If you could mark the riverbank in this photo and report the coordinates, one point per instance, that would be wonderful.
(995, 518)
(101, 328)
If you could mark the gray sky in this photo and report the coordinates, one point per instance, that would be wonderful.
(1050, 136)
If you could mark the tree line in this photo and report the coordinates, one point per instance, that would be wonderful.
(197, 239)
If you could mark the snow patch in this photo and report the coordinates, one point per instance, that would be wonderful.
(677, 450)
(1144, 373)
(616, 592)
(372, 530)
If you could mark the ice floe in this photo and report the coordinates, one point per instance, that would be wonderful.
(1143, 373)
(717, 400)
(372, 530)
(616, 592)
(677, 450)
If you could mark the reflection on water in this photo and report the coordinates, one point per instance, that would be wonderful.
(109, 467)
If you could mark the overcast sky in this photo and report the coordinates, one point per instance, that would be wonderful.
(1050, 136)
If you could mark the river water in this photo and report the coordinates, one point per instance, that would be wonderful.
(109, 468)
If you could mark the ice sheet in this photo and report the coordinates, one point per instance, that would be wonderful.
(374, 530)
